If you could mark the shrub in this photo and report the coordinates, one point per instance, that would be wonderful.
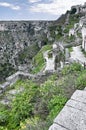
(55, 105)
(72, 68)
(21, 106)
(4, 115)
(81, 81)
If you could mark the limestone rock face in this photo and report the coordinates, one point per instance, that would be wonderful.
(19, 42)
(16, 36)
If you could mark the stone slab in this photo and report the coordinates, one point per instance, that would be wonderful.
(71, 119)
(57, 127)
(79, 95)
(77, 105)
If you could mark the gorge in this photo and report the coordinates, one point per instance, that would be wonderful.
(42, 63)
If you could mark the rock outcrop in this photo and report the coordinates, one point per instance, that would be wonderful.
(78, 9)
(16, 36)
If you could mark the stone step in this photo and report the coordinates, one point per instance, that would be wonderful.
(71, 118)
(57, 127)
(77, 105)
(80, 96)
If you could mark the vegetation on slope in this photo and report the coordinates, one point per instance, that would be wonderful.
(73, 18)
(37, 105)
(60, 32)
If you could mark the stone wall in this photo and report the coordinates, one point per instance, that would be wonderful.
(22, 75)
(16, 36)
(84, 38)
(13, 78)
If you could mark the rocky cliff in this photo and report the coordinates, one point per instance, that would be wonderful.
(19, 42)
(16, 36)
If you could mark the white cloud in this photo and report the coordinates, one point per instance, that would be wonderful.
(13, 7)
(34, 1)
(55, 7)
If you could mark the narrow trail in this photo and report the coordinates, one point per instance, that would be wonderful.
(78, 55)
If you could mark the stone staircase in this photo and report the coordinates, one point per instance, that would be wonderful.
(73, 115)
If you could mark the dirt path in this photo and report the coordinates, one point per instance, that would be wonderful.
(77, 55)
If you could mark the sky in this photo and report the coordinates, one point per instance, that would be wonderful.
(35, 9)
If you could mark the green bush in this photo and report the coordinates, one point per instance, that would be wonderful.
(55, 105)
(4, 115)
(75, 67)
(81, 81)
(22, 105)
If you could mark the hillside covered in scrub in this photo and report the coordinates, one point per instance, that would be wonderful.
(44, 69)
(34, 105)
